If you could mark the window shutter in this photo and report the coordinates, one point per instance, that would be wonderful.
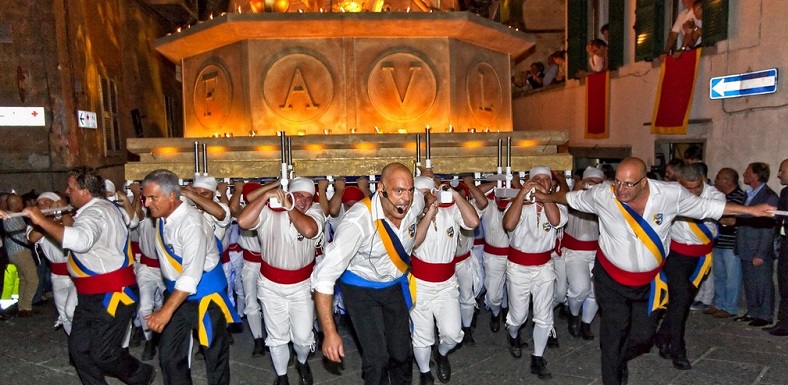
(615, 47)
(715, 21)
(577, 36)
(649, 29)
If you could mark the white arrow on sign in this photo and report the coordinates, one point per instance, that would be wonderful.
(723, 86)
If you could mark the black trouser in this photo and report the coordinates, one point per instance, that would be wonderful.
(782, 282)
(681, 292)
(175, 344)
(95, 342)
(625, 330)
(382, 322)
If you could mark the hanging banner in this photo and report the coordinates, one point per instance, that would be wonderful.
(674, 94)
(598, 105)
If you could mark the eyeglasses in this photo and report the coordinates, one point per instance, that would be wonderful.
(620, 184)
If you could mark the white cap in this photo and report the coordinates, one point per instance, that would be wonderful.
(540, 170)
(109, 186)
(593, 172)
(423, 182)
(301, 184)
(49, 195)
(206, 182)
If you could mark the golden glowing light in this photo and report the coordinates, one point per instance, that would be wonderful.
(301, 132)
(165, 150)
(473, 144)
(314, 147)
(642, 38)
(348, 6)
(526, 143)
(365, 146)
(402, 131)
(266, 148)
(216, 149)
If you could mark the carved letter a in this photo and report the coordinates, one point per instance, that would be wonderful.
(298, 85)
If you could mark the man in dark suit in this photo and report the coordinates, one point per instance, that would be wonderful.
(755, 248)
(781, 327)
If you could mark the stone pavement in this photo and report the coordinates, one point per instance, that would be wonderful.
(721, 352)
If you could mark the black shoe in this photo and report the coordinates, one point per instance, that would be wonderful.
(151, 375)
(663, 346)
(744, 318)
(426, 379)
(514, 346)
(282, 380)
(467, 339)
(585, 331)
(495, 323)
(539, 367)
(443, 367)
(574, 326)
(137, 336)
(681, 363)
(759, 322)
(563, 312)
(552, 342)
(304, 373)
(149, 351)
(779, 331)
(259, 347)
(230, 339)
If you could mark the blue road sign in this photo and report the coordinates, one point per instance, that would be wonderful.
(747, 84)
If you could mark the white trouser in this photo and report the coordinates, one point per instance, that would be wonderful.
(436, 302)
(581, 287)
(524, 282)
(495, 281)
(250, 272)
(477, 252)
(559, 264)
(65, 294)
(468, 280)
(152, 289)
(288, 310)
(235, 286)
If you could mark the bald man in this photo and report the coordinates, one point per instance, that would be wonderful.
(374, 279)
(635, 216)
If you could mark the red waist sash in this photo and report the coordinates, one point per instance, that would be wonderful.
(528, 259)
(624, 277)
(490, 249)
(59, 268)
(460, 258)
(478, 241)
(286, 277)
(110, 282)
(431, 272)
(150, 262)
(691, 250)
(251, 256)
(573, 243)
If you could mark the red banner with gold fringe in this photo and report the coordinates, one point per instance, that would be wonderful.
(674, 94)
(598, 105)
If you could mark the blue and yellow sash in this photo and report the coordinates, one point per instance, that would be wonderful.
(396, 252)
(658, 297)
(211, 289)
(705, 235)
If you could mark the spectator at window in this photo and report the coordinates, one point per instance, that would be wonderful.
(597, 55)
(605, 31)
(692, 27)
(536, 75)
(687, 18)
(555, 72)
